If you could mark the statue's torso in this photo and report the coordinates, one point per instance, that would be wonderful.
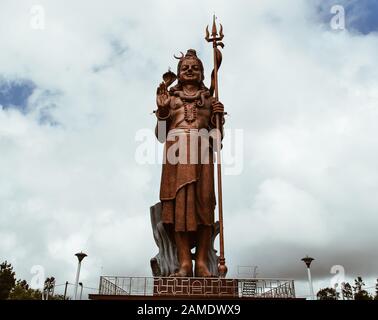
(190, 112)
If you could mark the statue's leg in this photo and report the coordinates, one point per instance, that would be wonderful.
(184, 255)
(202, 251)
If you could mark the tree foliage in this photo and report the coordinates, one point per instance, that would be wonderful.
(359, 293)
(49, 286)
(347, 291)
(327, 294)
(7, 280)
(20, 289)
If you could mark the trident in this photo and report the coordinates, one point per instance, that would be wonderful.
(216, 40)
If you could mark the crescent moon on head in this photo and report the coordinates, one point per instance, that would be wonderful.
(179, 58)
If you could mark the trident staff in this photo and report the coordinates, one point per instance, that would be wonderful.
(216, 40)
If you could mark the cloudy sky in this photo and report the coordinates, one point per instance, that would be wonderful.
(77, 88)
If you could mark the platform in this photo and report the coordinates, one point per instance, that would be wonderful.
(163, 288)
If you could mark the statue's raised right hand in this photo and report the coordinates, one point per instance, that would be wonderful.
(162, 96)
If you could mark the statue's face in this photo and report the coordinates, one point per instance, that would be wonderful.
(190, 71)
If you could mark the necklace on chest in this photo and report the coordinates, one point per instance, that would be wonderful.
(190, 111)
(192, 102)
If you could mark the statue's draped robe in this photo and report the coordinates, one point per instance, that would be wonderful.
(187, 192)
(187, 189)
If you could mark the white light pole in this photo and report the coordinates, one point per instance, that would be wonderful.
(307, 260)
(80, 256)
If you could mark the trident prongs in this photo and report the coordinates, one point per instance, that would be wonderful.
(207, 37)
(214, 31)
(214, 34)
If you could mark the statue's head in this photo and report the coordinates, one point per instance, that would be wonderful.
(190, 68)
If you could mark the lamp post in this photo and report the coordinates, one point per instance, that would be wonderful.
(307, 260)
(80, 256)
(65, 291)
(81, 290)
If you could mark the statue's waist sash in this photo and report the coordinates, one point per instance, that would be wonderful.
(177, 132)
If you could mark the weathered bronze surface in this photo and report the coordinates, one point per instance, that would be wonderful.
(187, 187)
(166, 262)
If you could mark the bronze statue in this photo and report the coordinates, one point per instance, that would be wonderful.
(187, 187)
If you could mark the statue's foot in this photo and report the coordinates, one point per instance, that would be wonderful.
(201, 270)
(184, 271)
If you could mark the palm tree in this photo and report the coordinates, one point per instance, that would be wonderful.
(359, 293)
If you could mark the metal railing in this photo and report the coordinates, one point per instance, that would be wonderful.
(240, 288)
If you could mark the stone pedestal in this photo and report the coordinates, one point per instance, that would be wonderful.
(195, 287)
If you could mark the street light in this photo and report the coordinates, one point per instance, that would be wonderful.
(65, 291)
(81, 290)
(80, 256)
(307, 260)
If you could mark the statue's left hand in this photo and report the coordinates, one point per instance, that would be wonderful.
(217, 107)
